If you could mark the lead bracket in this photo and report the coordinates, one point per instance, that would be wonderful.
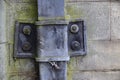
(77, 38)
(26, 36)
(25, 40)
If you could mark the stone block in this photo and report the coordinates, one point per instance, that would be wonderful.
(96, 16)
(96, 75)
(2, 22)
(22, 1)
(21, 12)
(20, 69)
(26, 11)
(18, 76)
(3, 62)
(87, 0)
(115, 20)
(101, 55)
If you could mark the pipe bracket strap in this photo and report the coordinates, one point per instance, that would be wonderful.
(51, 59)
(52, 22)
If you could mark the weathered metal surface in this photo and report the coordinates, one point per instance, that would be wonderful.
(52, 40)
(50, 8)
(76, 38)
(48, 72)
(25, 40)
(52, 43)
(52, 22)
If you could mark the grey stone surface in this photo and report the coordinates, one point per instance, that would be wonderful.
(115, 20)
(21, 1)
(96, 16)
(88, 0)
(101, 55)
(96, 75)
(2, 22)
(102, 21)
(23, 11)
(3, 62)
(22, 77)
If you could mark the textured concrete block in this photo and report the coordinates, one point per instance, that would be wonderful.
(96, 16)
(22, 12)
(88, 0)
(2, 22)
(26, 11)
(21, 77)
(3, 62)
(27, 65)
(101, 55)
(115, 20)
(21, 1)
(19, 69)
(96, 75)
(72, 64)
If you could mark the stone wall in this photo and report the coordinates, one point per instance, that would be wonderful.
(102, 18)
(3, 43)
(12, 11)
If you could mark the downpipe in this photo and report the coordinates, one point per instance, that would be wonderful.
(52, 48)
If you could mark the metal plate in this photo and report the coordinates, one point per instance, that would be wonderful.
(52, 43)
(76, 38)
(25, 40)
(50, 8)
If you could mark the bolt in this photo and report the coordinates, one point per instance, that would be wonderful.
(27, 30)
(75, 45)
(26, 46)
(74, 28)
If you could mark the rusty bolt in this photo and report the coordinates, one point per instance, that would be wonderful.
(26, 46)
(27, 30)
(74, 28)
(75, 45)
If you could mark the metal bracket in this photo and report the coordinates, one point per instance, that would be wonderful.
(76, 38)
(25, 39)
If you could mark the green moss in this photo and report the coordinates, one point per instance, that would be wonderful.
(22, 12)
(71, 69)
(70, 74)
(21, 1)
(73, 11)
(26, 11)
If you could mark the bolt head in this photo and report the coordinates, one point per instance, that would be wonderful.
(26, 46)
(75, 45)
(74, 28)
(27, 30)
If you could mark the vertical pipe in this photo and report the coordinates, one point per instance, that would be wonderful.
(52, 40)
(47, 72)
